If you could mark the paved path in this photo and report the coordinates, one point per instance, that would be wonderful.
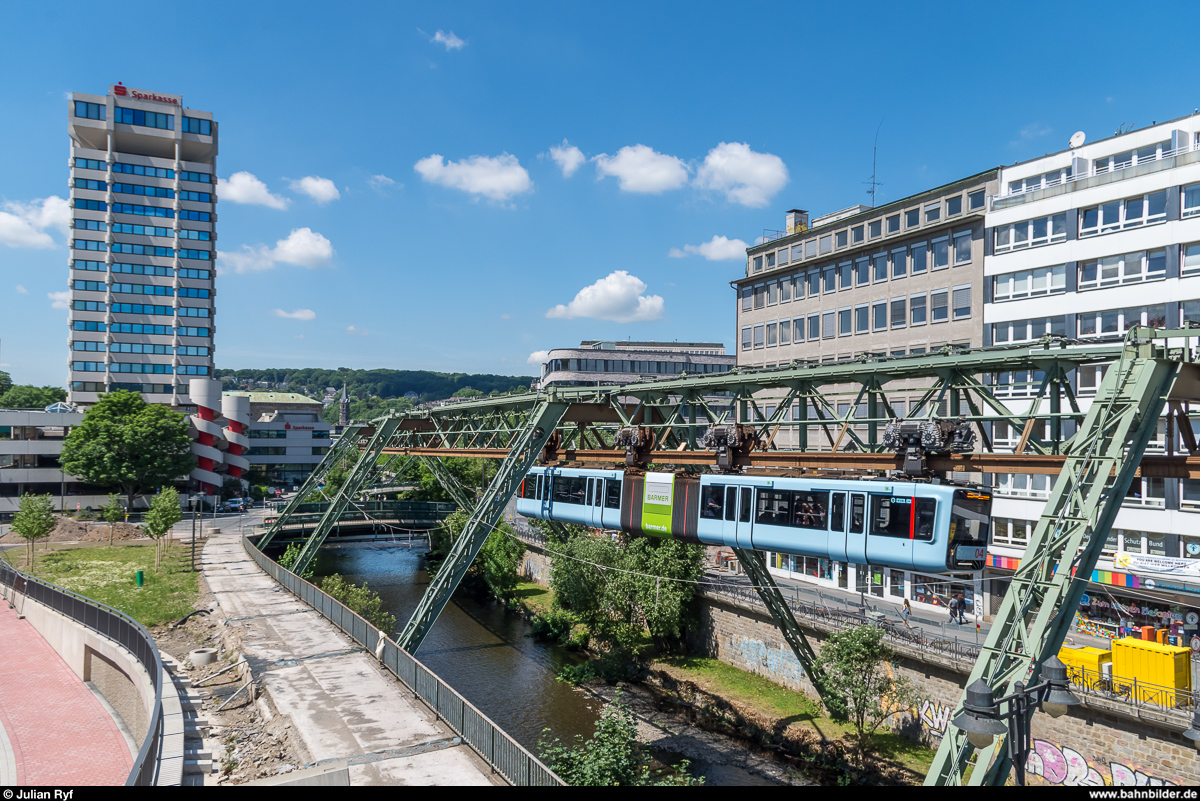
(53, 731)
(340, 701)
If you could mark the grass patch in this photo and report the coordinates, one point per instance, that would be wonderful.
(796, 708)
(108, 575)
(537, 598)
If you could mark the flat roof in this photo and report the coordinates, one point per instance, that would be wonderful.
(274, 397)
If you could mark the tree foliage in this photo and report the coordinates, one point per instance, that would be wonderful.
(289, 557)
(112, 512)
(467, 471)
(34, 521)
(495, 567)
(5, 382)
(163, 514)
(124, 441)
(611, 757)
(27, 396)
(363, 601)
(858, 669)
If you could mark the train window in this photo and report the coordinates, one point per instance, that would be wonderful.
(744, 511)
(858, 513)
(527, 486)
(711, 498)
(539, 494)
(890, 516)
(612, 496)
(837, 512)
(809, 509)
(730, 503)
(569, 489)
(589, 492)
(598, 499)
(926, 509)
(773, 507)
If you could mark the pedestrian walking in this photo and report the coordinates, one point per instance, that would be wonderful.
(953, 609)
(962, 609)
(905, 612)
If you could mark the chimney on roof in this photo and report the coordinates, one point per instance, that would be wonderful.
(797, 221)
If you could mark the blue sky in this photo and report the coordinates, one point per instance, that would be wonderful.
(394, 188)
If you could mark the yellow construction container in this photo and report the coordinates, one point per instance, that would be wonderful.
(1161, 672)
(1085, 665)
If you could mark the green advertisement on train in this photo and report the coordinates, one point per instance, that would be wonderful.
(656, 503)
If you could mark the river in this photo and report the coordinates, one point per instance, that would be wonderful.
(485, 653)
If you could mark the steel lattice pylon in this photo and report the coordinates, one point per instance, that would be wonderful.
(1034, 617)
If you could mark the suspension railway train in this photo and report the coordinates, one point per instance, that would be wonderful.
(933, 528)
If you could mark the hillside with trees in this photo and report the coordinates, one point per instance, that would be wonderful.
(419, 386)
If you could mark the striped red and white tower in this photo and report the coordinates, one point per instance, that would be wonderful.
(236, 409)
(208, 435)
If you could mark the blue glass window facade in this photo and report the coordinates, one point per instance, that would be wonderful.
(89, 111)
(143, 211)
(196, 126)
(149, 119)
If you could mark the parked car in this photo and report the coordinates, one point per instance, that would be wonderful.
(233, 505)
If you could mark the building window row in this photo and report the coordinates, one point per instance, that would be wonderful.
(932, 212)
(139, 367)
(196, 125)
(1128, 268)
(196, 197)
(1030, 233)
(139, 308)
(267, 450)
(90, 111)
(1030, 283)
(141, 328)
(128, 289)
(138, 169)
(633, 366)
(268, 433)
(1119, 215)
(1118, 321)
(138, 189)
(1028, 330)
(915, 258)
(142, 250)
(148, 119)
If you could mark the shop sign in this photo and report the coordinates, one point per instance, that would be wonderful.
(1160, 584)
(1157, 564)
(141, 94)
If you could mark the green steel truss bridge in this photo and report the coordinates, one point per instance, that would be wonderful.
(834, 417)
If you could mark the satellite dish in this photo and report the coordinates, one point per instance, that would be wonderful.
(1077, 138)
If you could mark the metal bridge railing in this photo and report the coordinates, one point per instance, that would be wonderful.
(508, 757)
(117, 626)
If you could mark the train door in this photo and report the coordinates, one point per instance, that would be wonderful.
(544, 482)
(597, 499)
(843, 522)
(729, 523)
(745, 521)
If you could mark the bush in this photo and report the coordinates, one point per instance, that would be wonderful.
(361, 600)
(577, 674)
(554, 625)
(289, 557)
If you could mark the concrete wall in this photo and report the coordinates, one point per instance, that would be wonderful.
(1090, 746)
(115, 672)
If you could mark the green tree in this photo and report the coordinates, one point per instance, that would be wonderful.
(467, 392)
(289, 557)
(611, 757)
(112, 512)
(361, 600)
(34, 521)
(27, 396)
(125, 442)
(859, 671)
(497, 561)
(163, 514)
(5, 382)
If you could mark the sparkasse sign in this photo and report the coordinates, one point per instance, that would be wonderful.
(141, 94)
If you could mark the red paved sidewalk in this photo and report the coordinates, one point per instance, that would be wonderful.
(60, 733)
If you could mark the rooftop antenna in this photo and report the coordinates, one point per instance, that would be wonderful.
(874, 159)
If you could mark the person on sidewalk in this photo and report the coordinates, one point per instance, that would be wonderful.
(905, 613)
(953, 609)
(962, 609)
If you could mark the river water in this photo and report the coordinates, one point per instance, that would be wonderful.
(486, 654)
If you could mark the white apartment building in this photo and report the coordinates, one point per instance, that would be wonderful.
(597, 362)
(143, 232)
(1086, 243)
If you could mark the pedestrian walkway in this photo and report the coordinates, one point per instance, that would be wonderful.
(340, 701)
(53, 730)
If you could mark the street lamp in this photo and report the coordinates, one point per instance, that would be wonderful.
(981, 716)
(1193, 733)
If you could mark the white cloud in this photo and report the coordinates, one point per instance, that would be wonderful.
(298, 336)
(319, 189)
(59, 300)
(568, 158)
(244, 187)
(617, 297)
(359, 331)
(538, 357)
(298, 314)
(22, 290)
(496, 178)
(451, 41)
(380, 182)
(642, 169)
(303, 247)
(23, 225)
(506, 317)
(718, 248)
(746, 177)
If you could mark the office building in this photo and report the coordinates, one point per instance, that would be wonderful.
(613, 363)
(1086, 243)
(31, 441)
(286, 436)
(143, 235)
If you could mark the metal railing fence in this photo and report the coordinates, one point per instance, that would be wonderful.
(508, 757)
(117, 626)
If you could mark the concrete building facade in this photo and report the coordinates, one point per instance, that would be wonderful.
(600, 363)
(141, 246)
(286, 436)
(30, 444)
(1085, 243)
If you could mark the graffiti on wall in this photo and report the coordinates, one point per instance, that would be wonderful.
(1055, 764)
(779, 662)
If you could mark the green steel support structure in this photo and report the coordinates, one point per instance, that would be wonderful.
(523, 449)
(345, 446)
(366, 466)
(1101, 461)
(460, 494)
